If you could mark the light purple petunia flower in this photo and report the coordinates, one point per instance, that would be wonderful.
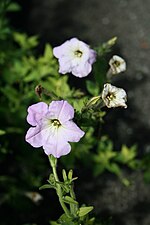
(53, 127)
(75, 57)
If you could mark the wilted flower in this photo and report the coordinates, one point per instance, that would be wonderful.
(75, 57)
(117, 64)
(53, 127)
(113, 96)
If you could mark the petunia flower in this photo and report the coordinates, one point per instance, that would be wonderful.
(113, 96)
(52, 127)
(117, 64)
(75, 57)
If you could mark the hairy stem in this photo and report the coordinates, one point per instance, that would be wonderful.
(53, 163)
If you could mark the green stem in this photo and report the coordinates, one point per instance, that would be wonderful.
(74, 207)
(53, 163)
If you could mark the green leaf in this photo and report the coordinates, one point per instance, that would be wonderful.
(106, 47)
(13, 7)
(85, 210)
(70, 174)
(74, 178)
(54, 223)
(51, 179)
(46, 186)
(114, 168)
(126, 182)
(78, 104)
(100, 69)
(64, 175)
(64, 220)
(92, 88)
(32, 76)
(2, 132)
(24, 41)
(127, 154)
(48, 52)
(69, 200)
(32, 41)
(91, 221)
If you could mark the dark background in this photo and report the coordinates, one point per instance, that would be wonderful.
(96, 21)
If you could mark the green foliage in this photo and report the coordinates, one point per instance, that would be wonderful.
(92, 88)
(63, 220)
(85, 210)
(5, 31)
(109, 159)
(25, 42)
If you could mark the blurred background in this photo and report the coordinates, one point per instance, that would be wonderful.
(94, 22)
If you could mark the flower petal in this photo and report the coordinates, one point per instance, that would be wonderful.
(34, 137)
(65, 65)
(57, 146)
(40, 135)
(92, 58)
(82, 70)
(61, 110)
(36, 113)
(71, 132)
(60, 50)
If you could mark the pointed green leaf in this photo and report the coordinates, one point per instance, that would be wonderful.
(48, 52)
(75, 178)
(85, 210)
(70, 174)
(114, 168)
(45, 186)
(69, 200)
(64, 175)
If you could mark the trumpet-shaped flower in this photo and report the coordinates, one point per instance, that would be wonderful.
(52, 127)
(75, 57)
(113, 96)
(117, 64)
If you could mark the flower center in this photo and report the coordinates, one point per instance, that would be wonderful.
(78, 53)
(116, 63)
(56, 123)
(110, 96)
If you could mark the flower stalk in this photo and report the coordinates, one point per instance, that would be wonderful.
(53, 163)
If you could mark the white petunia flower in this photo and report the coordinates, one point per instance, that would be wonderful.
(113, 96)
(117, 64)
(75, 57)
